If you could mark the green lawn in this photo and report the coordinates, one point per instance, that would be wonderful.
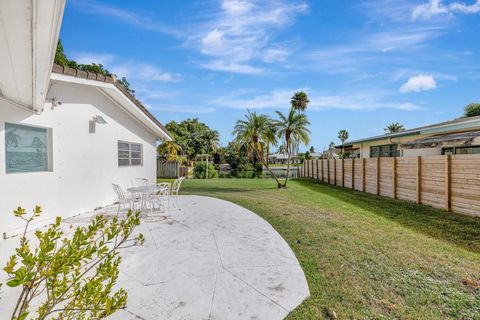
(367, 257)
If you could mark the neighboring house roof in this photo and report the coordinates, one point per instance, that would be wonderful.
(58, 69)
(442, 127)
(445, 140)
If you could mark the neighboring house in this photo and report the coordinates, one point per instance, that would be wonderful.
(66, 135)
(281, 158)
(459, 136)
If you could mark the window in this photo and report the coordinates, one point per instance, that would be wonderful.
(387, 150)
(27, 148)
(462, 150)
(130, 154)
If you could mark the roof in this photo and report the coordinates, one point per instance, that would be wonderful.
(455, 139)
(112, 80)
(28, 38)
(442, 127)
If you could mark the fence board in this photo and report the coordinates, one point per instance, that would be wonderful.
(446, 182)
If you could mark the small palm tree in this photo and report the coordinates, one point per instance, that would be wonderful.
(299, 101)
(293, 129)
(169, 150)
(253, 132)
(343, 136)
(394, 127)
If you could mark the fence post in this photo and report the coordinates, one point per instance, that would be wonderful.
(419, 179)
(318, 176)
(321, 160)
(394, 178)
(378, 177)
(334, 171)
(353, 174)
(448, 177)
(328, 170)
(363, 175)
(343, 172)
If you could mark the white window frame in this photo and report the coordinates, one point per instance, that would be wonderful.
(49, 148)
(129, 158)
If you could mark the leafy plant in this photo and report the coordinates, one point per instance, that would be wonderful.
(254, 132)
(394, 127)
(199, 171)
(472, 110)
(70, 277)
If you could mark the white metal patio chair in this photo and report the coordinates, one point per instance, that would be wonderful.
(133, 201)
(160, 198)
(175, 189)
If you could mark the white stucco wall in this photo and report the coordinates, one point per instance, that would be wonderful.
(84, 164)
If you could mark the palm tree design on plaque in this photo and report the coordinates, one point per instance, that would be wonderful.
(37, 144)
(12, 139)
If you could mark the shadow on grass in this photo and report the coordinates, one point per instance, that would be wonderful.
(461, 230)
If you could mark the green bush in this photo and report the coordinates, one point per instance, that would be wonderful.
(472, 110)
(199, 171)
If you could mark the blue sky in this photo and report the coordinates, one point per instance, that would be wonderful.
(364, 64)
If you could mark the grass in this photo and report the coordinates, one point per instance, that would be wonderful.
(364, 256)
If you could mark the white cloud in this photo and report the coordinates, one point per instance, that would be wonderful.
(419, 83)
(279, 99)
(436, 7)
(218, 65)
(239, 37)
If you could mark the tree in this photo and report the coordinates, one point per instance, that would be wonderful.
(312, 149)
(472, 110)
(293, 129)
(253, 132)
(193, 137)
(70, 277)
(299, 101)
(61, 59)
(394, 127)
(236, 155)
(168, 150)
(343, 136)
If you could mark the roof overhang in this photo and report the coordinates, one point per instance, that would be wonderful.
(29, 31)
(120, 99)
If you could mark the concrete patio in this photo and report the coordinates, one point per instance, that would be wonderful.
(211, 259)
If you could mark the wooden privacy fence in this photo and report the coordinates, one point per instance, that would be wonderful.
(170, 169)
(446, 182)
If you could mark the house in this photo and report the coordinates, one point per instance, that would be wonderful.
(65, 135)
(458, 136)
(281, 158)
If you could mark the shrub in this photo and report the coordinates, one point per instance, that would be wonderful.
(472, 110)
(70, 277)
(199, 171)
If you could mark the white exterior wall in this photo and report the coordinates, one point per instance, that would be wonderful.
(84, 164)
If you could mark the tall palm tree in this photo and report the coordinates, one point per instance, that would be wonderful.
(394, 127)
(299, 101)
(169, 150)
(213, 141)
(293, 129)
(253, 132)
(343, 136)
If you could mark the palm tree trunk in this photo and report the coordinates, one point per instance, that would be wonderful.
(279, 184)
(288, 171)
